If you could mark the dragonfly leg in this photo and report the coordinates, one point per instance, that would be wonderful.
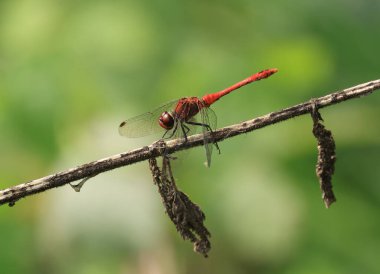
(216, 145)
(173, 132)
(185, 130)
(163, 136)
(200, 124)
(209, 129)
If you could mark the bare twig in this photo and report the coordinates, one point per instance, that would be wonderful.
(12, 194)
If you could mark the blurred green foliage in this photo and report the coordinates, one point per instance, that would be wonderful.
(71, 71)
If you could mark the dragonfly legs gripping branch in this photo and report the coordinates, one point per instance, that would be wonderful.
(178, 117)
(185, 130)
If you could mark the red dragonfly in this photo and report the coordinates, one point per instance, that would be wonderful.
(177, 118)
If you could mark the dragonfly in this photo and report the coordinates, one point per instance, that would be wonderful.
(179, 117)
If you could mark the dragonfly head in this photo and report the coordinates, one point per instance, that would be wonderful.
(166, 120)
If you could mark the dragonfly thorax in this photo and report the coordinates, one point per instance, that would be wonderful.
(166, 120)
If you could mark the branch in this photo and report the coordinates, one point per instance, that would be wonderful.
(12, 194)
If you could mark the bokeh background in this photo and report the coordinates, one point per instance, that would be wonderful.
(71, 71)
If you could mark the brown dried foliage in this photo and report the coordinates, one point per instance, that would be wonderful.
(326, 157)
(187, 216)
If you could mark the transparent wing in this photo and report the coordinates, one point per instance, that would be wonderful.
(208, 118)
(145, 124)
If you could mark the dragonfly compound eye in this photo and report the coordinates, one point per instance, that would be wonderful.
(166, 120)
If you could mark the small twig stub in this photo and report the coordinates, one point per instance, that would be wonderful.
(326, 156)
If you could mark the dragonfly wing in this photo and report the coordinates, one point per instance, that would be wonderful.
(208, 118)
(145, 124)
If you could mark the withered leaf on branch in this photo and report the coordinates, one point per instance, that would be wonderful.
(326, 157)
(187, 216)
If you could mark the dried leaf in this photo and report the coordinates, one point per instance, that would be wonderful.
(326, 157)
(187, 216)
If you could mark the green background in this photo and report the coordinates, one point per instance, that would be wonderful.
(71, 71)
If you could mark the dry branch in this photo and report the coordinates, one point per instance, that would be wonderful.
(12, 194)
